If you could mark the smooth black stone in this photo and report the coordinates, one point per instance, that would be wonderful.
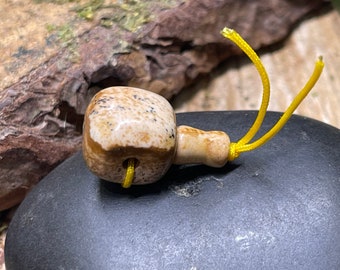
(277, 207)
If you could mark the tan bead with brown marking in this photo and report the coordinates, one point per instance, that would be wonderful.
(125, 122)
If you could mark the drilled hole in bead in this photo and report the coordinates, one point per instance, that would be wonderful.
(126, 161)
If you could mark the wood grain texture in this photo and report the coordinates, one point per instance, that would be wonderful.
(236, 85)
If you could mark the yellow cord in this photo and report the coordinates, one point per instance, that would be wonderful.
(130, 173)
(245, 47)
(242, 145)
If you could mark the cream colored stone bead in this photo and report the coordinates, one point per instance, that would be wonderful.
(195, 146)
(124, 122)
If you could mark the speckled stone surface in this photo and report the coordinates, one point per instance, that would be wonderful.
(125, 122)
(274, 208)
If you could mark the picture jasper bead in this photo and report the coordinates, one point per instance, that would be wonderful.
(123, 123)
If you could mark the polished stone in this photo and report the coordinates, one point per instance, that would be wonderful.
(277, 207)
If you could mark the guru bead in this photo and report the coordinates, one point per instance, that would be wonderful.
(130, 134)
(123, 123)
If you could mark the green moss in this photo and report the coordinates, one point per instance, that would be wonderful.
(106, 22)
(65, 34)
(66, 37)
(68, 40)
(135, 13)
(129, 14)
(126, 14)
(87, 10)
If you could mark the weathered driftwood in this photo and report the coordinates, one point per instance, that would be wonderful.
(41, 114)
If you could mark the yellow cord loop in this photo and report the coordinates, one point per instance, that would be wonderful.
(130, 173)
(242, 145)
